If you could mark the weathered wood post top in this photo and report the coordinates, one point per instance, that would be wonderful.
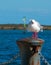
(29, 49)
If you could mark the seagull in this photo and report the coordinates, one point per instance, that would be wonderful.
(34, 26)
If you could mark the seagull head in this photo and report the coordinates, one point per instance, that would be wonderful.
(32, 21)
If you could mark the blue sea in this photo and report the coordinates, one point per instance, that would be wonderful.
(9, 48)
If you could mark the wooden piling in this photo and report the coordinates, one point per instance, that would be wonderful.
(29, 49)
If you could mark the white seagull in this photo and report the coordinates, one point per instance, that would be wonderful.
(35, 27)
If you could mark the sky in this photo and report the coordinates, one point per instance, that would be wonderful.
(13, 11)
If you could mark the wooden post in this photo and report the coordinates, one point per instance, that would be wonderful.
(29, 49)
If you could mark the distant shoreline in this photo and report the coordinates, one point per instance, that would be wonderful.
(20, 26)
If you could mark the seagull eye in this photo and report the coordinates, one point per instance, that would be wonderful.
(32, 22)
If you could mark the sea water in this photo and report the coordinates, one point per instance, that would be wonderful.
(9, 48)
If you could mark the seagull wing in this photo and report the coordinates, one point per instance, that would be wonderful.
(41, 27)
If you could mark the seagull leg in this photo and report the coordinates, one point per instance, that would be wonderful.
(35, 35)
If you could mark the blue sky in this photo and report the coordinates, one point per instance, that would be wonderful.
(12, 11)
